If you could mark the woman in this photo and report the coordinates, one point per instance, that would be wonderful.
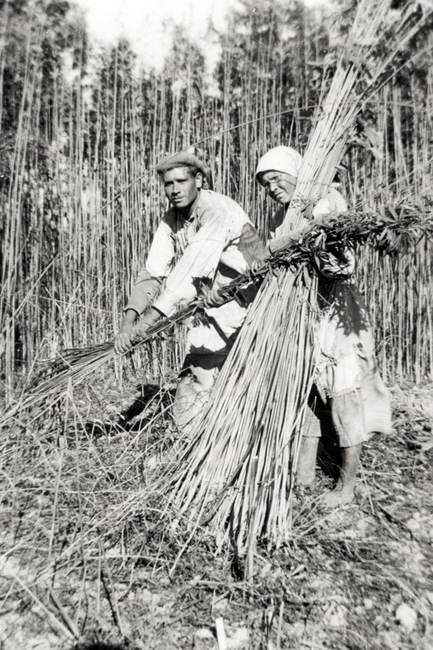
(347, 383)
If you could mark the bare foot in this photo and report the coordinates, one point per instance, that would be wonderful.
(338, 497)
(345, 489)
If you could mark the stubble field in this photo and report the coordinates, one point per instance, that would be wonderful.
(84, 566)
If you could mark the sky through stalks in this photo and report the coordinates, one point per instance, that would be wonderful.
(148, 24)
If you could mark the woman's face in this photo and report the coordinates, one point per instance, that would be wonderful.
(279, 186)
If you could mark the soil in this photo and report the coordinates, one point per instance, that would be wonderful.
(82, 570)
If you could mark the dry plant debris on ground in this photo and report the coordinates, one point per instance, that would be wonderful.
(357, 578)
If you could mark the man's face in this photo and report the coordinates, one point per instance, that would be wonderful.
(279, 186)
(181, 189)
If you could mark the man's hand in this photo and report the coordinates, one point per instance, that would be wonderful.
(212, 299)
(123, 339)
(151, 317)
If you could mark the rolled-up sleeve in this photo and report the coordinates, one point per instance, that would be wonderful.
(158, 265)
(333, 202)
(143, 292)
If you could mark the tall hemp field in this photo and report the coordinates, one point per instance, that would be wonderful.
(82, 127)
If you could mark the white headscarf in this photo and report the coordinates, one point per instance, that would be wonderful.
(280, 159)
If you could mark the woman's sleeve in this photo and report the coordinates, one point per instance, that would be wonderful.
(344, 265)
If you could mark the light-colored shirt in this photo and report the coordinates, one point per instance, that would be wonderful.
(209, 249)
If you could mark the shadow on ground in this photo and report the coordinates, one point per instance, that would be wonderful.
(150, 401)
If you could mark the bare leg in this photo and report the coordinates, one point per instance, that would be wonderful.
(344, 491)
(306, 471)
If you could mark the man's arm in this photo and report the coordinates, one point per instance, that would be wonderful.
(200, 260)
(146, 287)
(123, 340)
(143, 292)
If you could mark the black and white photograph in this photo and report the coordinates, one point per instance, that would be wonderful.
(216, 324)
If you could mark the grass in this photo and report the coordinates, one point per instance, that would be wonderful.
(337, 581)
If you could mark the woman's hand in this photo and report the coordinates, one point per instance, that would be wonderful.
(284, 241)
(260, 260)
(342, 267)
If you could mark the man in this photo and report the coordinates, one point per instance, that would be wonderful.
(203, 242)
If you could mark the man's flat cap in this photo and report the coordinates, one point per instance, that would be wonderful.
(183, 159)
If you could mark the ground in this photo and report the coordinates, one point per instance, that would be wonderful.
(82, 569)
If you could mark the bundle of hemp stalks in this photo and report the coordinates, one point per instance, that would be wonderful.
(237, 471)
